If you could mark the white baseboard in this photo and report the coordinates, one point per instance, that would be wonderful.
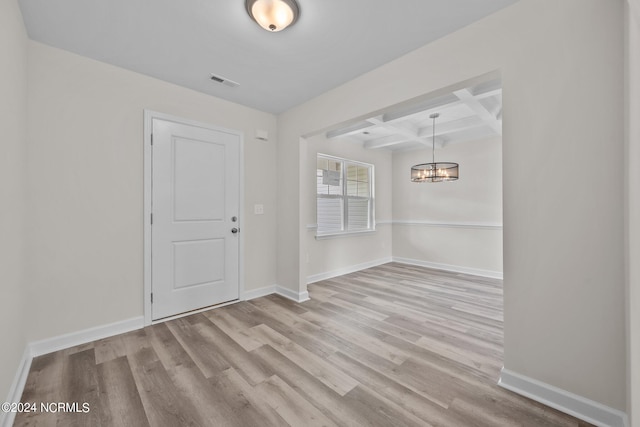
(292, 295)
(448, 267)
(15, 392)
(562, 400)
(257, 293)
(60, 342)
(351, 269)
(275, 289)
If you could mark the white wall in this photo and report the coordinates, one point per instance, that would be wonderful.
(633, 204)
(561, 63)
(13, 119)
(336, 254)
(86, 187)
(291, 261)
(472, 206)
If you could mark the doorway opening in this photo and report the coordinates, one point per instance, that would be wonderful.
(449, 227)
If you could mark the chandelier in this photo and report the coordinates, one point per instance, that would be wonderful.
(434, 172)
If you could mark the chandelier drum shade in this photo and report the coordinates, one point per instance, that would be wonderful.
(273, 15)
(434, 172)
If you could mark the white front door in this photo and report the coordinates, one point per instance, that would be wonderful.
(195, 208)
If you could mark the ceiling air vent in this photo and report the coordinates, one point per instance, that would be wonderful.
(225, 81)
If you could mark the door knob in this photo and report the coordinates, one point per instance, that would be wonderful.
(234, 230)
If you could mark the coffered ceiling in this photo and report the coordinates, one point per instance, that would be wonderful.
(465, 114)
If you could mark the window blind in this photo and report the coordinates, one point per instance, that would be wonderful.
(344, 199)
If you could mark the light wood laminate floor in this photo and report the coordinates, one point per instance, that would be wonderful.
(393, 345)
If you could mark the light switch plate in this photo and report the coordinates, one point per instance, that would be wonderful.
(258, 209)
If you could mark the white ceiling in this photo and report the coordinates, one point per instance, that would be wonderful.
(184, 41)
(465, 114)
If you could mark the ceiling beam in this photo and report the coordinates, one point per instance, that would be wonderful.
(349, 130)
(423, 106)
(452, 126)
(385, 141)
(488, 94)
(408, 134)
(476, 106)
(485, 89)
(393, 141)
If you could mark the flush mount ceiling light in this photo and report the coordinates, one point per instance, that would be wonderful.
(273, 15)
(434, 172)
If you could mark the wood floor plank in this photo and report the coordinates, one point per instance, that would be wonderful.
(335, 344)
(454, 337)
(166, 347)
(211, 408)
(284, 314)
(164, 404)
(504, 416)
(392, 345)
(304, 334)
(358, 337)
(120, 399)
(412, 314)
(203, 353)
(290, 405)
(229, 395)
(268, 415)
(290, 305)
(80, 387)
(312, 389)
(344, 307)
(338, 308)
(430, 410)
(232, 327)
(320, 293)
(452, 352)
(382, 412)
(237, 357)
(412, 300)
(44, 384)
(110, 348)
(330, 376)
(205, 395)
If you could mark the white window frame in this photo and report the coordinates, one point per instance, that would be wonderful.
(345, 199)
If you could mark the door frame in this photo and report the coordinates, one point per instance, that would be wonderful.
(149, 115)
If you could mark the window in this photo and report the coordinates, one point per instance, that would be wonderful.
(344, 196)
